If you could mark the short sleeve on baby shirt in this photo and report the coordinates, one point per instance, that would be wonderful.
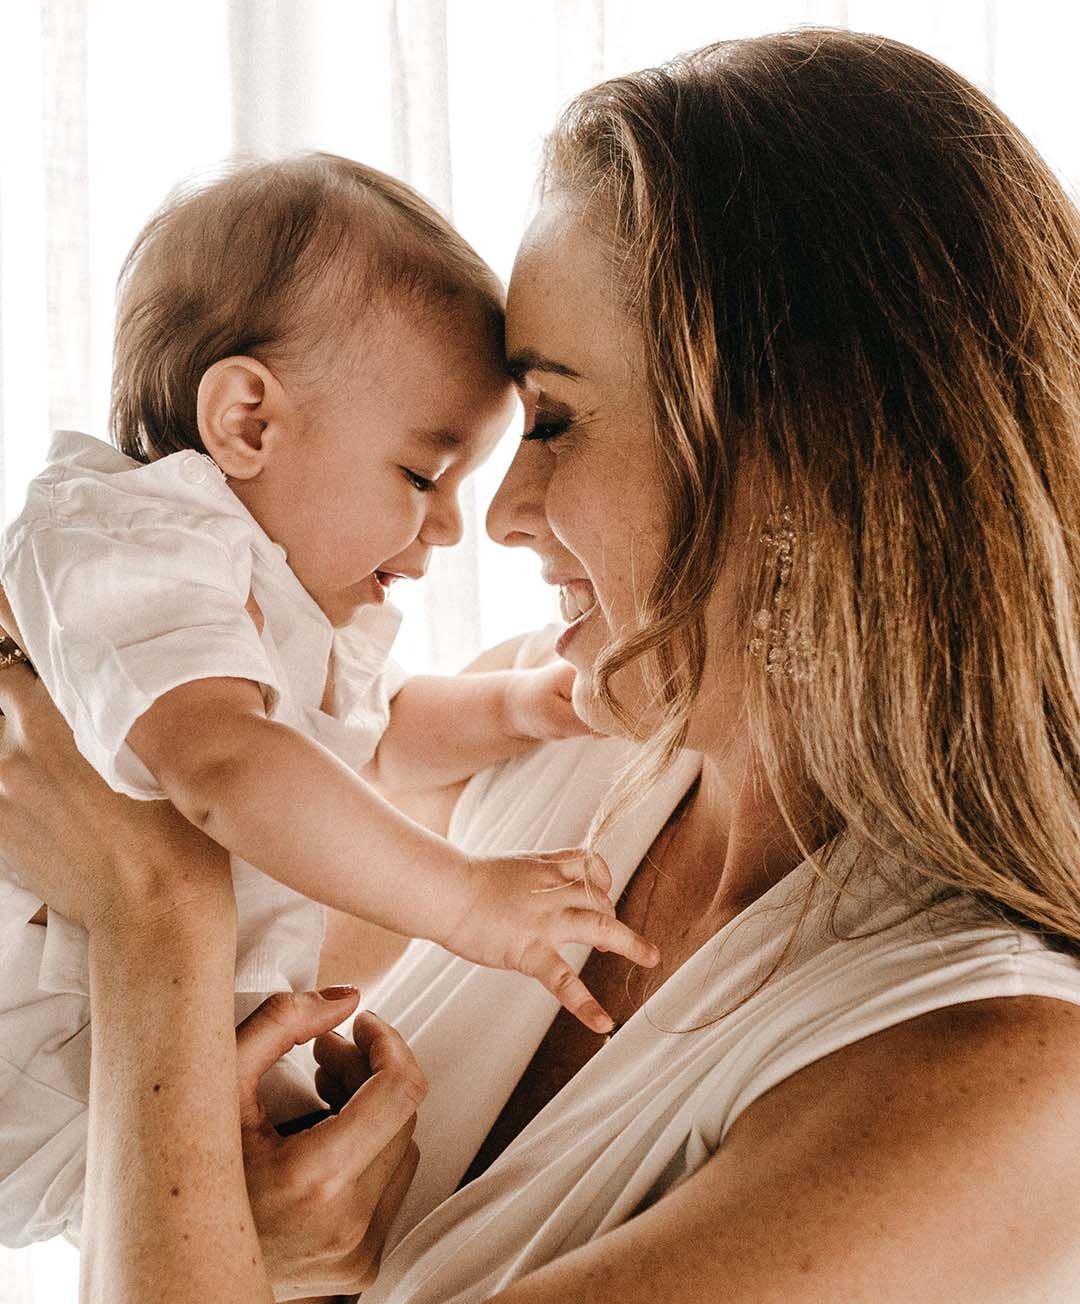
(118, 607)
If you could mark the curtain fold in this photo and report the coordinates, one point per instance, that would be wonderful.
(273, 59)
(419, 88)
(67, 288)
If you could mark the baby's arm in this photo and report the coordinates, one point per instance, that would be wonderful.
(285, 804)
(360, 952)
(282, 802)
(445, 728)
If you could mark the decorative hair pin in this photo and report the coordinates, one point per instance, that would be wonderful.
(782, 649)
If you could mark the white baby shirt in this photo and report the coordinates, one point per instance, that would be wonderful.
(128, 580)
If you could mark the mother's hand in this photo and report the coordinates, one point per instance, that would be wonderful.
(323, 1199)
(93, 855)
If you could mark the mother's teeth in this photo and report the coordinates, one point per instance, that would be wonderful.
(575, 599)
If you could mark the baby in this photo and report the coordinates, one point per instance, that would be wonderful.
(308, 363)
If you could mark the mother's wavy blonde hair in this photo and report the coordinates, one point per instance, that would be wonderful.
(858, 281)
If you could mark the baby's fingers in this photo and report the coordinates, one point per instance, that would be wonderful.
(578, 865)
(597, 872)
(603, 932)
(568, 989)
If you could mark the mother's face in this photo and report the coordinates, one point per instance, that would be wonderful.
(583, 490)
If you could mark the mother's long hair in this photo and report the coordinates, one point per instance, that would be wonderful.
(859, 286)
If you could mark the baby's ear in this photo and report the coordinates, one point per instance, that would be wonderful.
(241, 408)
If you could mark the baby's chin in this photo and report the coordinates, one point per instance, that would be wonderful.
(342, 605)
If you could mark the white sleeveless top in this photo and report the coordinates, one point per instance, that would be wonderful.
(656, 1102)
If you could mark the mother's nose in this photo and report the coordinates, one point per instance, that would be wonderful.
(516, 516)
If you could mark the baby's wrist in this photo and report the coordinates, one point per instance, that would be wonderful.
(518, 719)
(463, 881)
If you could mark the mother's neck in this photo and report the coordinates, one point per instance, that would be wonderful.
(729, 843)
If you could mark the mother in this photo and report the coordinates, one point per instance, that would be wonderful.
(797, 331)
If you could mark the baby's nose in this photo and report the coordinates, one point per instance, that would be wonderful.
(444, 525)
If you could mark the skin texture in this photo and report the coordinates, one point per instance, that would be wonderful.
(933, 1161)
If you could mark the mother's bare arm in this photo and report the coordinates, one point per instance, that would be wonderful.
(167, 1213)
(936, 1161)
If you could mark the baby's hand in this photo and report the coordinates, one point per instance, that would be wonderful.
(521, 908)
(538, 703)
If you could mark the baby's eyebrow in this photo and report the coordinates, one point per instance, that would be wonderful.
(440, 441)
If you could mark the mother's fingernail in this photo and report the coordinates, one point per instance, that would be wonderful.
(338, 993)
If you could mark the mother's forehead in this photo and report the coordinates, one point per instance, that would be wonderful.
(564, 312)
(558, 243)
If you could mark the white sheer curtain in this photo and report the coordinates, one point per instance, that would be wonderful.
(104, 104)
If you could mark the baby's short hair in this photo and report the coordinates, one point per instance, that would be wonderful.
(236, 266)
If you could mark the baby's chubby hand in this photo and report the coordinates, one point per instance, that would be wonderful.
(519, 909)
(538, 703)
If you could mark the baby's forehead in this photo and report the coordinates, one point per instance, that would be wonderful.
(450, 335)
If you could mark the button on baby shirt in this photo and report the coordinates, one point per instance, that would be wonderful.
(128, 580)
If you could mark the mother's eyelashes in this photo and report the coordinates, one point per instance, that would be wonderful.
(545, 429)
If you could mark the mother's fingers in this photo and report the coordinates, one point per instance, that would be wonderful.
(387, 1050)
(342, 1070)
(369, 1253)
(351, 1141)
(344, 1066)
(284, 1020)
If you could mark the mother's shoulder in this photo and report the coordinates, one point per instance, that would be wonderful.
(987, 1084)
(937, 1156)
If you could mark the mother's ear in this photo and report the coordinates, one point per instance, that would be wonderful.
(241, 410)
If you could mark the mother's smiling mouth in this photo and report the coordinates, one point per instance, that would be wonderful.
(576, 599)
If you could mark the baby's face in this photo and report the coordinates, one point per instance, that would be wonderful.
(367, 481)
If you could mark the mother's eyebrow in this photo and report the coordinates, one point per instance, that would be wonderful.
(521, 363)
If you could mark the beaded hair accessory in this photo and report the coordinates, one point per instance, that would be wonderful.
(782, 649)
(10, 653)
